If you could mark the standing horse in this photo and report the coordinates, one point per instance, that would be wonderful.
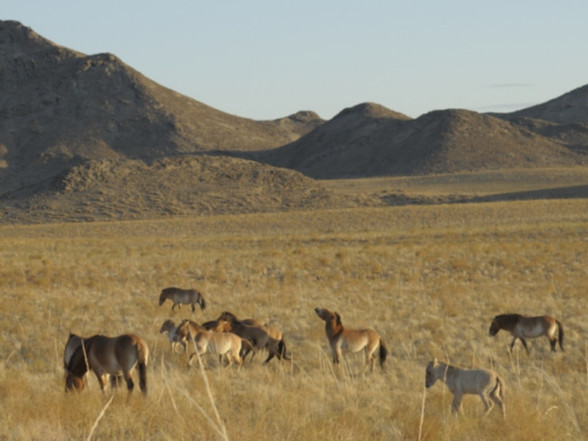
(220, 343)
(275, 335)
(522, 327)
(485, 383)
(181, 296)
(351, 340)
(258, 337)
(106, 356)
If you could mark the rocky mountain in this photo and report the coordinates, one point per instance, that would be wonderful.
(59, 107)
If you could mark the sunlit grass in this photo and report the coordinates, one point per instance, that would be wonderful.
(427, 278)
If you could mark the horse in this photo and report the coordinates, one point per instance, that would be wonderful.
(258, 337)
(485, 383)
(181, 296)
(172, 334)
(220, 343)
(104, 356)
(189, 330)
(522, 327)
(275, 335)
(351, 340)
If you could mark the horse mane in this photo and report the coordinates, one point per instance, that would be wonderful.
(77, 363)
(338, 319)
(228, 314)
(508, 318)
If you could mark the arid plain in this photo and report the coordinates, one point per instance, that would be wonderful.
(429, 278)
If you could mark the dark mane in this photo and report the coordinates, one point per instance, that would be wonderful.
(508, 318)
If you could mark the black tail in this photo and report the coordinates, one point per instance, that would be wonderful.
(282, 350)
(201, 302)
(383, 353)
(561, 334)
(143, 377)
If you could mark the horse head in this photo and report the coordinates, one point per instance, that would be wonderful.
(430, 376)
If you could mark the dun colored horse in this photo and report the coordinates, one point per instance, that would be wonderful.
(181, 296)
(105, 356)
(522, 327)
(220, 343)
(351, 340)
(485, 383)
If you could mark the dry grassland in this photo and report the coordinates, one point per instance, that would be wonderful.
(429, 279)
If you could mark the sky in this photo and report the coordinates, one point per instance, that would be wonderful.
(268, 59)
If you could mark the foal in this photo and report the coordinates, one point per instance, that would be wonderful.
(485, 383)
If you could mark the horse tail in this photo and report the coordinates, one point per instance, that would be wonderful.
(143, 359)
(560, 334)
(282, 349)
(383, 353)
(201, 302)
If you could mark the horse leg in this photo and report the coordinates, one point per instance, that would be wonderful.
(488, 404)
(552, 342)
(193, 308)
(129, 380)
(524, 342)
(456, 403)
(369, 358)
(512, 343)
(101, 380)
(494, 397)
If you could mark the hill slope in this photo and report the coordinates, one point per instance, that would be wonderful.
(59, 107)
(368, 141)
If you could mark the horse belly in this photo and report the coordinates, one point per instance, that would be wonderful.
(353, 343)
(532, 331)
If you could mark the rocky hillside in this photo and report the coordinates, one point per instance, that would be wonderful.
(87, 137)
(59, 108)
(368, 140)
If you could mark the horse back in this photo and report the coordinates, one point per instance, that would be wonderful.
(357, 339)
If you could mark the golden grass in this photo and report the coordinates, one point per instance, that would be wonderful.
(429, 279)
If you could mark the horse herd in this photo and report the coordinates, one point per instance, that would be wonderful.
(235, 339)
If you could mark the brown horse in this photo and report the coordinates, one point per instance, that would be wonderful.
(105, 356)
(522, 327)
(258, 337)
(181, 296)
(485, 383)
(275, 335)
(350, 340)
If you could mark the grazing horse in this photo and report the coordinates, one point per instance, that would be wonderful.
(181, 296)
(106, 356)
(275, 335)
(485, 383)
(351, 340)
(522, 327)
(172, 334)
(258, 337)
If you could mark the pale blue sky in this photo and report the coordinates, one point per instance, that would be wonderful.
(268, 59)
